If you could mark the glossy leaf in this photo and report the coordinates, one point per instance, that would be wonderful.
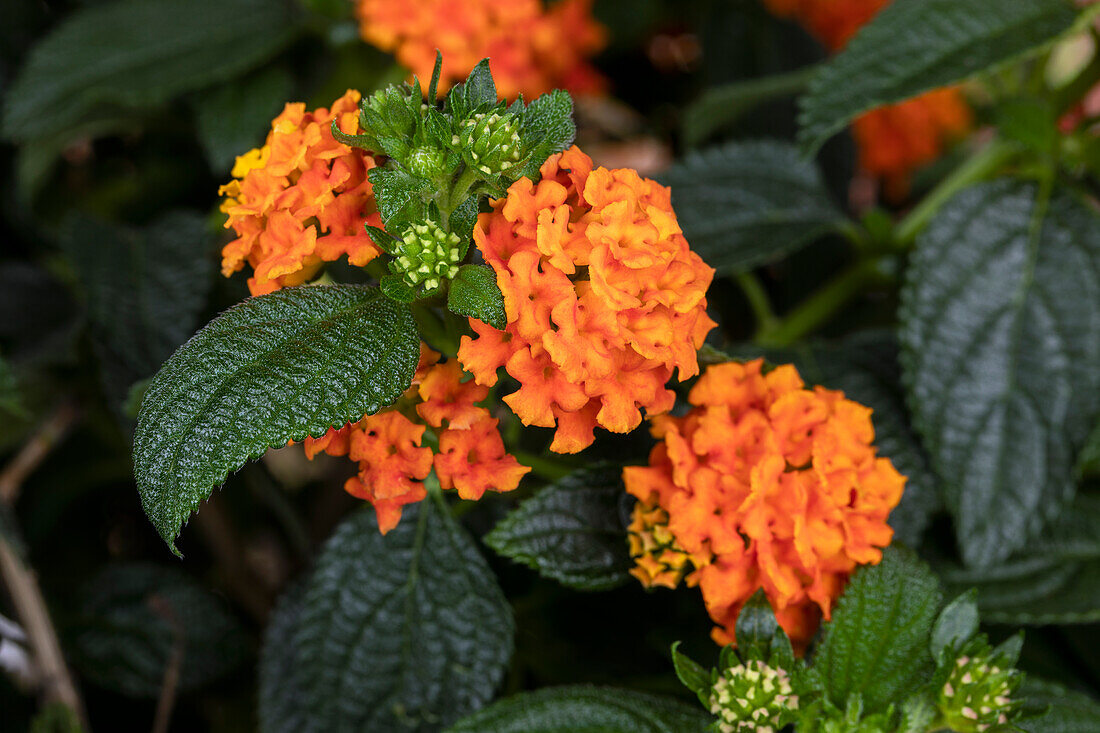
(1000, 327)
(474, 293)
(571, 531)
(876, 645)
(139, 53)
(912, 46)
(956, 624)
(583, 708)
(407, 631)
(548, 128)
(274, 368)
(234, 118)
(746, 203)
(1058, 710)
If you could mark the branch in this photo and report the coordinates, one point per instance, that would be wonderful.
(35, 450)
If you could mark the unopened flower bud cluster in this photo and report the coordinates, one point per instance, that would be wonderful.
(976, 696)
(752, 697)
(492, 141)
(427, 255)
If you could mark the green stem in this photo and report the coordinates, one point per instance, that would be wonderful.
(546, 468)
(976, 168)
(459, 190)
(822, 305)
(722, 105)
(758, 301)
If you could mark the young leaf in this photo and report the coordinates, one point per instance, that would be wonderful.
(548, 128)
(279, 367)
(693, 675)
(912, 46)
(433, 86)
(876, 645)
(132, 618)
(400, 197)
(584, 708)
(143, 290)
(113, 55)
(756, 624)
(1001, 355)
(746, 203)
(403, 632)
(235, 117)
(480, 90)
(394, 287)
(474, 293)
(570, 531)
(955, 625)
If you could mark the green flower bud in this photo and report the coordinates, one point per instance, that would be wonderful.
(977, 694)
(427, 255)
(426, 162)
(752, 697)
(490, 141)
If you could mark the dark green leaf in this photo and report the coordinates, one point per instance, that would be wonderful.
(281, 696)
(400, 197)
(233, 118)
(955, 625)
(756, 624)
(403, 632)
(433, 86)
(1058, 710)
(474, 293)
(394, 287)
(916, 45)
(1032, 122)
(279, 367)
(139, 53)
(1001, 353)
(571, 531)
(747, 203)
(583, 709)
(134, 617)
(143, 289)
(479, 88)
(876, 645)
(693, 675)
(548, 128)
(10, 401)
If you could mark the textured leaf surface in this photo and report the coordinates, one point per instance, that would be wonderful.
(138, 53)
(584, 709)
(548, 128)
(746, 203)
(281, 701)
(1056, 580)
(1070, 712)
(877, 642)
(234, 118)
(404, 632)
(912, 46)
(571, 531)
(143, 289)
(279, 367)
(474, 293)
(1000, 329)
(133, 615)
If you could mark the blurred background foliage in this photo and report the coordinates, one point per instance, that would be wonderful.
(111, 235)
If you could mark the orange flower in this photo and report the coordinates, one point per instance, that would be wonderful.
(300, 200)
(604, 299)
(768, 484)
(471, 456)
(897, 139)
(532, 49)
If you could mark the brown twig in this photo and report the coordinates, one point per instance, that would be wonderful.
(54, 680)
(170, 686)
(35, 450)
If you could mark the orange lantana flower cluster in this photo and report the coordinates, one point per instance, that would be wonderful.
(766, 484)
(301, 199)
(469, 454)
(532, 49)
(603, 299)
(894, 140)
